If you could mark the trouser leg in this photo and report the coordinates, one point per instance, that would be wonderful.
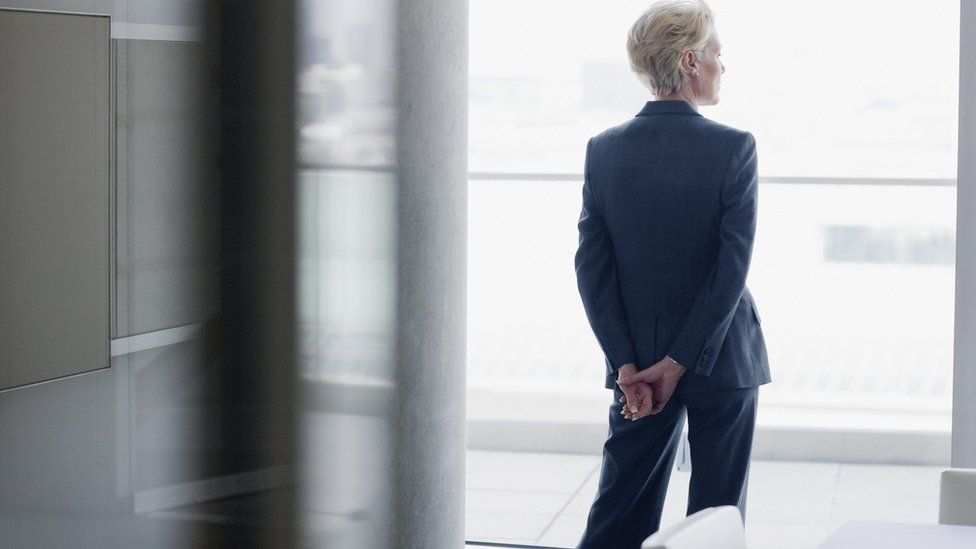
(720, 433)
(637, 460)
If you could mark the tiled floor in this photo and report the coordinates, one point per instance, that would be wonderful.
(543, 499)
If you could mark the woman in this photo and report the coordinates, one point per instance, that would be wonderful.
(665, 240)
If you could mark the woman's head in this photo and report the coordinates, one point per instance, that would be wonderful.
(674, 50)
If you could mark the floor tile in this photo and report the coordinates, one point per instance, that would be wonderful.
(791, 492)
(511, 501)
(565, 531)
(802, 508)
(889, 512)
(528, 472)
(791, 475)
(792, 505)
(761, 535)
(505, 526)
(579, 506)
(887, 484)
(886, 492)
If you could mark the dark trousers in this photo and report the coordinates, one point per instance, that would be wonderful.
(638, 457)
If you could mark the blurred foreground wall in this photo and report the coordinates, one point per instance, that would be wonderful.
(233, 259)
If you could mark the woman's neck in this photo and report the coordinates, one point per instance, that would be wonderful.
(679, 95)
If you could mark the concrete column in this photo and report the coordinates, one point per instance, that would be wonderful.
(964, 369)
(432, 268)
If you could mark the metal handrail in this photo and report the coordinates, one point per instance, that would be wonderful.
(577, 177)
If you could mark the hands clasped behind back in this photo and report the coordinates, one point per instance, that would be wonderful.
(648, 391)
(638, 395)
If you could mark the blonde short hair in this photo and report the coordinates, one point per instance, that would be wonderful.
(662, 34)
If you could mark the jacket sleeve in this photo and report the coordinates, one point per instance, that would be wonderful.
(704, 331)
(596, 277)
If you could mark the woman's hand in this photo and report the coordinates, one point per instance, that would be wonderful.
(643, 395)
(637, 399)
(662, 378)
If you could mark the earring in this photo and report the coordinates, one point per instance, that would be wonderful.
(695, 74)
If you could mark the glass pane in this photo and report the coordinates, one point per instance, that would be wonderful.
(346, 269)
(825, 95)
(853, 262)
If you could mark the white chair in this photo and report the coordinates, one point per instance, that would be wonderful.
(712, 528)
(957, 497)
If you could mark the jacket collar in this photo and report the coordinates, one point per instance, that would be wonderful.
(668, 107)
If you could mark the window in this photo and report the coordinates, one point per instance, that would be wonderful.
(854, 107)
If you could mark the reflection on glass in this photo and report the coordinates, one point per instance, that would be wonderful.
(345, 83)
(346, 269)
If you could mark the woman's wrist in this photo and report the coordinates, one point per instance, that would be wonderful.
(674, 364)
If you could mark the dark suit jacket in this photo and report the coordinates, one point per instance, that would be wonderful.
(665, 241)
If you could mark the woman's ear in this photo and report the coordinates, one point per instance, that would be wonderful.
(690, 62)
